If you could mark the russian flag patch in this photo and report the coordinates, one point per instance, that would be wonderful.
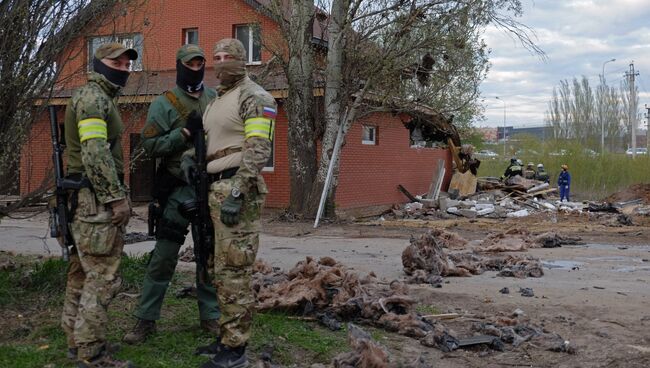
(269, 112)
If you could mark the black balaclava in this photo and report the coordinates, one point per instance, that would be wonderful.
(189, 80)
(117, 77)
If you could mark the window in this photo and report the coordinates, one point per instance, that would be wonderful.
(132, 41)
(249, 35)
(369, 135)
(191, 36)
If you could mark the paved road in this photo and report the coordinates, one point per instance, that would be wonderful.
(381, 255)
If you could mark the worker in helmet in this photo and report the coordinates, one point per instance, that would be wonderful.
(541, 175)
(564, 183)
(530, 173)
(513, 169)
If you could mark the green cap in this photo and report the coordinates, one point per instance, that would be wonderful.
(189, 52)
(113, 50)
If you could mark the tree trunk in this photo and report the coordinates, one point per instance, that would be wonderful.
(334, 102)
(300, 100)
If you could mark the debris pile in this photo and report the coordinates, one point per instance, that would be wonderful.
(516, 240)
(325, 291)
(517, 329)
(425, 260)
(367, 353)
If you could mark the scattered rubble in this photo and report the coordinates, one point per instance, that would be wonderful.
(425, 254)
(528, 292)
(518, 197)
(517, 240)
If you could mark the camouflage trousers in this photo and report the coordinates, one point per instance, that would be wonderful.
(92, 279)
(235, 251)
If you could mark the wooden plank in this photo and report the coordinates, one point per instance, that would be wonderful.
(454, 155)
(441, 177)
(442, 316)
(435, 178)
(465, 183)
(406, 193)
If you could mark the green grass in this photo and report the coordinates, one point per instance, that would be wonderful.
(426, 309)
(31, 336)
(285, 335)
(592, 178)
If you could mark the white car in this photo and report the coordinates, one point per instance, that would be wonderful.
(487, 154)
(639, 151)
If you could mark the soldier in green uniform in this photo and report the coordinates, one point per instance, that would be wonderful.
(101, 209)
(239, 127)
(166, 136)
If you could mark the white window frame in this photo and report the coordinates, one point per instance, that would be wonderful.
(252, 28)
(130, 40)
(373, 129)
(186, 35)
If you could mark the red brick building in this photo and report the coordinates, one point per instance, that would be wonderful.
(376, 157)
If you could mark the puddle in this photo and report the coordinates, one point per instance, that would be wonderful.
(610, 247)
(632, 269)
(561, 264)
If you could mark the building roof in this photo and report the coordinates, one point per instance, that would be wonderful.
(155, 83)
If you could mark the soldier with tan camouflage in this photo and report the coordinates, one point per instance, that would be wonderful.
(166, 136)
(239, 127)
(101, 209)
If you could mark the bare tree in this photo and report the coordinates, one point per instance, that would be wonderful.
(576, 112)
(34, 49)
(382, 55)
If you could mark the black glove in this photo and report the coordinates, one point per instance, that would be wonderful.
(194, 122)
(230, 209)
(188, 166)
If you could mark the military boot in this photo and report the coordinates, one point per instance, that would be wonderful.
(110, 348)
(104, 360)
(228, 357)
(142, 329)
(210, 350)
(210, 326)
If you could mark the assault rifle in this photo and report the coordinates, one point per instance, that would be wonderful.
(197, 210)
(60, 216)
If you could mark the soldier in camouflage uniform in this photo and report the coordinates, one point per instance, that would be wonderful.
(93, 131)
(165, 136)
(239, 127)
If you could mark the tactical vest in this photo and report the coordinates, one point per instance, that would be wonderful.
(224, 127)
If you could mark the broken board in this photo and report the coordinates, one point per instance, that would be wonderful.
(465, 183)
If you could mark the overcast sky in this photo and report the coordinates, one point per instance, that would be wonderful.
(578, 36)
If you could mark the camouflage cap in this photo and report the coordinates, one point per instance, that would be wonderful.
(189, 52)
(232, 46)
(113, 50)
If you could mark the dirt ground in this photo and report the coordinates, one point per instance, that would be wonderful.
(595, 295)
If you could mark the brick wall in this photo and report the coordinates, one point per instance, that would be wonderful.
(369, 174)
(161, 23)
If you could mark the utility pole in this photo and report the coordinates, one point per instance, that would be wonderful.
(602, 110)
(630, 75)
(504, 126)
(647, 129)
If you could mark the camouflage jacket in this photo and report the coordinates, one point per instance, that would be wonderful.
(257, 111)
(93, 132)
(161, 135)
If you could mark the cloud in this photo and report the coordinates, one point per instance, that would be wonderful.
(578, 36)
